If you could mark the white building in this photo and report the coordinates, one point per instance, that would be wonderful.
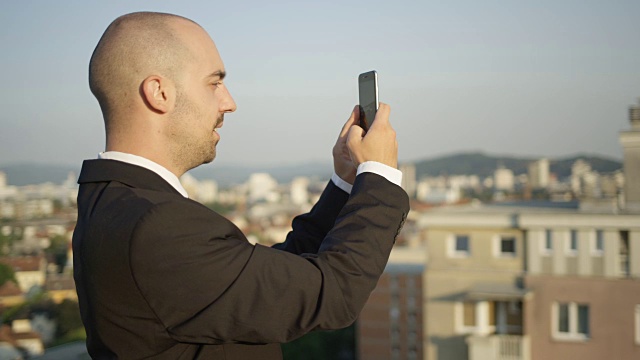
(579, 170)
(409, 182)
(7, 210)
(30, 271)
(437, 195)
(503, 179)
(262, 187)
(35, 208)
(539, 174)
(299, 191)
(445, 189)
(207, 191)
(464, 182)
(630, 141)
(25, 338)
(437, 190)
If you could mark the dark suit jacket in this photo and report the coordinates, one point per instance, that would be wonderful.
(160, 276)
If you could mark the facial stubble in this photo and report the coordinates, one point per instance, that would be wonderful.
(193, 147)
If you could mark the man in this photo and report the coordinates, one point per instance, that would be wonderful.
(160, 276)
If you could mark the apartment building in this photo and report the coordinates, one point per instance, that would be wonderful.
(630, 141)
(514, 282)
(474, 294)
(391, 324)
(539, 176)
(584, 273)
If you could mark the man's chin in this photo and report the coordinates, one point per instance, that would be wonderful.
(210, 158)
(207, 161)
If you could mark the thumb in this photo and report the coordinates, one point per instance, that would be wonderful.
(353, 119)
(382, 116)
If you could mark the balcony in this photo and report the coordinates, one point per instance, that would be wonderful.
(499, 347)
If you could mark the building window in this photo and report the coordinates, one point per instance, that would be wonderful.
(460, 246)
(571, 321)
(395, 352)
(625, 267)
(547, 244)
(572, 245)
(583, 320)
(598, 243)
(563, 318)
(413, 354)
(507, 246)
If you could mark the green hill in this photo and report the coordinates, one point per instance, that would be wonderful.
(484, 165)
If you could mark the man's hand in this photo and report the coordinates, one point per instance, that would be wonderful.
(342, 163)
(378, 144)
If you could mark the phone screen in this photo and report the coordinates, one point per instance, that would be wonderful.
(368, 92)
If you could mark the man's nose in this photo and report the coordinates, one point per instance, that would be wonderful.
(228, 105)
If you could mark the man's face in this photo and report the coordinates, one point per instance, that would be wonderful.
(202, 100)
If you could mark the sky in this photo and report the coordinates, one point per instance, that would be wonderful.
(526, 78)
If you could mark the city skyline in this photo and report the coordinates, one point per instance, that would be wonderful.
(543, 79)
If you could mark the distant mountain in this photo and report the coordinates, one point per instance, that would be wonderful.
(32, 173)
(456, 164)
(484, 165)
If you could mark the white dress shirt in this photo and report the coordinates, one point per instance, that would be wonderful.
(167, 175)
(392, 174)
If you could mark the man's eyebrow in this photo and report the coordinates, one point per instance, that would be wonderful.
(219, 73)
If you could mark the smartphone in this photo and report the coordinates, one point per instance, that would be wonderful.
(368, 92)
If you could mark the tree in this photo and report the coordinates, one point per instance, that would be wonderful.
(6, 241)
(220, 208)
(58, 251)
(70, 325)
(7, 274)
(322, 345)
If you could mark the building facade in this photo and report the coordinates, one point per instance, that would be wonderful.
(538, 172)
(391, 325)
(630, 141)
(474, 298)
(583, 271)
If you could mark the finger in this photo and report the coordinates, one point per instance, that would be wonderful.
(355, 134)
(353, 119)
(382, 116)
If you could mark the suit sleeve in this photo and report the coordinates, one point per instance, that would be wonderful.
(308, 230)
(206, 284)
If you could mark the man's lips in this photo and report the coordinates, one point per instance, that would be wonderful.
(219, 122)
(218, 125)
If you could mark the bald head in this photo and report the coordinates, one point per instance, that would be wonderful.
(132, 48)
(159, 81)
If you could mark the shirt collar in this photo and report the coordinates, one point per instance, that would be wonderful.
(167, 175)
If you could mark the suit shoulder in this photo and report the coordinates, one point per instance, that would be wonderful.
(125, 206)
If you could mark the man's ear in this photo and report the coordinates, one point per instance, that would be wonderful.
(158, 93)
